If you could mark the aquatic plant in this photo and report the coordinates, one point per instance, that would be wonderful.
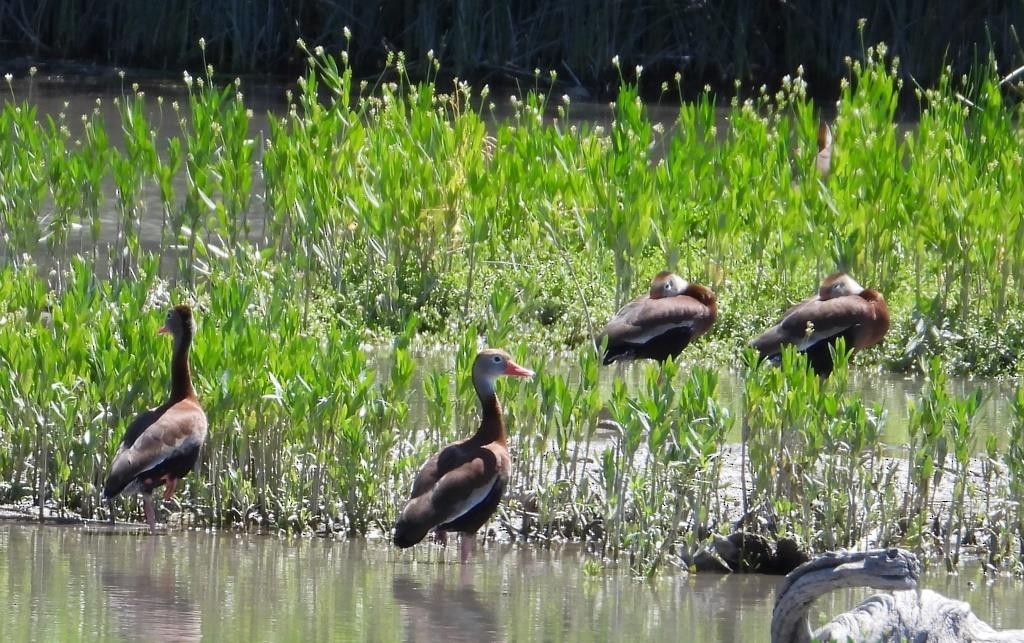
(1015, 466)
(396, 216)
(403, 183)
(310, 431)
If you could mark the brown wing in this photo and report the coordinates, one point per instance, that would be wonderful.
(427, 477)
(644, 318)
(449, 485)
(812, 321)
(800, 304)
(167, 432)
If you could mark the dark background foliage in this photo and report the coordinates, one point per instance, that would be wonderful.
(709, 42)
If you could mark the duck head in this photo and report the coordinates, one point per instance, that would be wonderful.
(839, 284)
(667, 284)
(179, 323)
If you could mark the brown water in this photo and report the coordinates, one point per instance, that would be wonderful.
(93, 584)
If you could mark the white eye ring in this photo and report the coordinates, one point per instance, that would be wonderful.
(497, 359)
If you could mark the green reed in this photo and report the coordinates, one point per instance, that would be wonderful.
(1015, 467)
(310, 432)
(814, 452)
(397, 213)
(401, 182)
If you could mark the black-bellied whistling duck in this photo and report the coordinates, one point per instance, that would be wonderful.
(162, 445)
(459, 488)
(661, 323)
(842, 308)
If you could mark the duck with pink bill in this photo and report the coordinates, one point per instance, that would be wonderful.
(459, 488)
(162, 445)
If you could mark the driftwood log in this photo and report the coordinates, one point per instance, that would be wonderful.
(904, 615)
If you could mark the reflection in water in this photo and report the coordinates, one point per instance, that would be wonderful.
(97, 584)
(440, 612)
(147, 602)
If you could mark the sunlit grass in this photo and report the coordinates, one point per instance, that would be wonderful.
(397, 215)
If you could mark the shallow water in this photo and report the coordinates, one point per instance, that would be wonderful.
(894, 393)
(94, 584)
(75, 96)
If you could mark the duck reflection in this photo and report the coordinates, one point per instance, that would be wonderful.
(442, 612)
(148, 603)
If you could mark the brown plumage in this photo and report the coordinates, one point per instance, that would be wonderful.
(459, 488)
(842, 308)
(162, 445)
(661, 323)
(823, 161)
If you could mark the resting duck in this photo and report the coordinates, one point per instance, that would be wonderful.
(459, 488)
(842, 308)
(662, 323)
(162, 445)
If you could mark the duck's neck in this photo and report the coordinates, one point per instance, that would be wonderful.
(704, 295)
(492, 425)
(181, 375)
(872, 295)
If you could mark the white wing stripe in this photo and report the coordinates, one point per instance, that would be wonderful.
(473, 500)
(167, 453)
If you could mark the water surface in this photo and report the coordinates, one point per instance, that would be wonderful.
(95, 584)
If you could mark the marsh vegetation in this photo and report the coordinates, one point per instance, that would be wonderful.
(383, 218)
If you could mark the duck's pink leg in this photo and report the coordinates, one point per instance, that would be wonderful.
(466, 547)
(172, 484)
(441, 537)
(147, 506)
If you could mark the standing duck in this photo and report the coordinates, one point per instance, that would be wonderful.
(162, 445)
(459, 488)
(842, 308)
(663, 322)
